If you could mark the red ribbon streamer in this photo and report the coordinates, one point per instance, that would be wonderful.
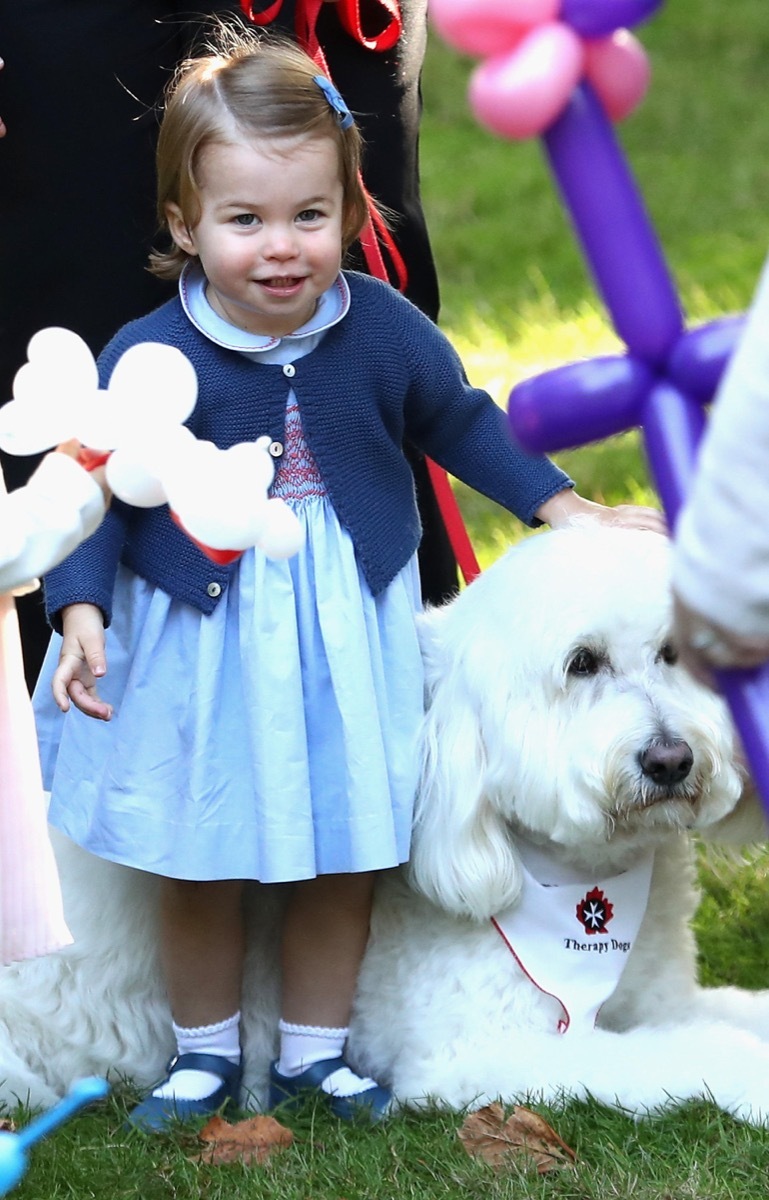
(349, 16)
(375, 233)
(456, 530)
(386, 38)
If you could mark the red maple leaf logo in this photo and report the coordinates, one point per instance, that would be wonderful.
(594, 912)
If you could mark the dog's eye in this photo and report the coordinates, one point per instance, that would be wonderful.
(584, 662)
(668, 653)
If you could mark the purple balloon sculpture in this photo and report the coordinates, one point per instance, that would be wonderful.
(595, 18)
(668, 373)
(617, 237)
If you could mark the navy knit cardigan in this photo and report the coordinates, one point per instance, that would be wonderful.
(383, 374)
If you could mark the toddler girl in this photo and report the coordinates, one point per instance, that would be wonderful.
(265, 712)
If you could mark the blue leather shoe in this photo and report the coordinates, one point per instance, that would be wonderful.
(156, 1114)
(287, 1091)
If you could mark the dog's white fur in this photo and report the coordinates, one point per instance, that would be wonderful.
(516, 743)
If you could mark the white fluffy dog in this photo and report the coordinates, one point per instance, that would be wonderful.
(566, 759)
(563, 745)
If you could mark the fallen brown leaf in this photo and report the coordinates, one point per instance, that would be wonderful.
(249, 1141)
(7, 1125)
(524, 1135)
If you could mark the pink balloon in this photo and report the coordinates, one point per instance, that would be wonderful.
(618, 69)
(484, 27)
(519, 94)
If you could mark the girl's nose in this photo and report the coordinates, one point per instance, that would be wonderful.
(279, 243)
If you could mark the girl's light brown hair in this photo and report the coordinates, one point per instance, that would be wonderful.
(259, 88)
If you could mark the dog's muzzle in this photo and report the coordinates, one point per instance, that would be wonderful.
(665, 762)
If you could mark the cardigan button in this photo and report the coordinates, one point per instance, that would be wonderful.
(214, 590)
(289, 370)
(275, 449)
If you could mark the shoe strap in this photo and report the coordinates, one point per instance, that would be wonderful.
(314, 1075)
(215, 1064)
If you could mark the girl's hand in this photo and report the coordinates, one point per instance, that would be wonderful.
(567, 506)
(704, 646)
(81, 662)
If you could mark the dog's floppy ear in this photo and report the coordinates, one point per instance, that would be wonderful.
(463, 858)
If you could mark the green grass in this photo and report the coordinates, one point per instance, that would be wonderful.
(732, 923)
(516, 300)
(692, 1152)
(697, 148)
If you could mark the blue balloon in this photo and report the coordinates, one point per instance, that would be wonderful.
(672, 425)
(669, 373)
(14, 1146)
(578, 403)
(699, 357)
(614, 228)
(747, 694)
(597, 18)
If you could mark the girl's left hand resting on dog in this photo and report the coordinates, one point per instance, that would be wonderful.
(567, 506)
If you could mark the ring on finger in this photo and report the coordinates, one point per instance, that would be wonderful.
(707, 642)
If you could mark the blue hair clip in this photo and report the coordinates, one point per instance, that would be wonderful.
(343, 114)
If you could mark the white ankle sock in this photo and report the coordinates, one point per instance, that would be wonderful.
(222, 1039)
(303, 1045)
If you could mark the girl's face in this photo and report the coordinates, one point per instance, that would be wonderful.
(269, 236)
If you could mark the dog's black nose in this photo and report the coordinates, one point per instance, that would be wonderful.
(665, 762)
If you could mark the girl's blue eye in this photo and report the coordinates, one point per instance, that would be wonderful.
(309, 214)
(245, 219)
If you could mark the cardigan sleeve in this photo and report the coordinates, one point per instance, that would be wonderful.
(88, 575)
(462, 428)
(721, 550)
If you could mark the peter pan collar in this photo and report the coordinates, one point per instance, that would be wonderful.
(331, 308)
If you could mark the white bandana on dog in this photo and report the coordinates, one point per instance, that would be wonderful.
(573, 939)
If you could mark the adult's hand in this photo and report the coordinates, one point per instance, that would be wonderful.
(704, 646)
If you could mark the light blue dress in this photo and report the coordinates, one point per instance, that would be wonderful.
(275, 738)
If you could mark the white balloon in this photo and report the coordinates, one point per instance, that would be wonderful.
(131, 481)
(52, 396)
(220, 496)
(154, 383)
(184, 473)
(67, 353)
(59, 374)
(136, 469)
(36, 384)
(57, 397)
(28, 427)
(99, 425)
(283, 534)
(218, 519)
(248, 466)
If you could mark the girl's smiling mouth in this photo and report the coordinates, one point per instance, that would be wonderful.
(282, 283)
